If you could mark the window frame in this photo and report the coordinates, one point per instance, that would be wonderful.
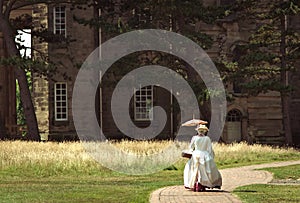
(64, 115)
(234, 115)
(55, 31)
(143, 116)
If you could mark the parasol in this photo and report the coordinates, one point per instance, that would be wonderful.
(194, 122)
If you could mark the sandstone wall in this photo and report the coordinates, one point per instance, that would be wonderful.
(40, 83)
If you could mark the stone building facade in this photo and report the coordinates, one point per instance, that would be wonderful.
(53, 96)
(252, 119)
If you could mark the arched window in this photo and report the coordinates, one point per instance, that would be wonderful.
(234, 126)
(234, 115)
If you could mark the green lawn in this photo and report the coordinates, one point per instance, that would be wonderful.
(267, 193)
(81, 187)
(62, 172)
(287, 172)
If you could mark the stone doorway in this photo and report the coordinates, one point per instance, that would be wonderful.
(234, 126)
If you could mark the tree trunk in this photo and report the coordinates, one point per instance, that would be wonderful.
(31, 121)
(2, 130)
(285, 97)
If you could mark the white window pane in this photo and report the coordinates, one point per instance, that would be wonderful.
(59, 20)
(143, 103)
(61, 110)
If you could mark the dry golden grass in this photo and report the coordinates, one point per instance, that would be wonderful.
(221, 150)
(72, 155)
(245, 154)
(65, 155)
(143, 147)
(245, 147)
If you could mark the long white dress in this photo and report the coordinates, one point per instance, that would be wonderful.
(201, 167)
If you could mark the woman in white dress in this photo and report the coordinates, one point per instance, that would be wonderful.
(200, 171)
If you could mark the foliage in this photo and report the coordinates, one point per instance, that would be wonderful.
(272, 48)
(29, 66)
(19, 107)
(39, 67)
(174, 15)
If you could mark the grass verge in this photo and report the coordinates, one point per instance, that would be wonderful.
(268, 193)
(273, 193)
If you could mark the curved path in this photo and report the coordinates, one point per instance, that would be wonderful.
(232, 178)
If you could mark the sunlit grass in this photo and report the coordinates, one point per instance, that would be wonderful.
(274, 192)
(71, 156)
(143, 147)
(239, 154)
(47, 158)
(260, 193)
(64, 172)
(291, 172)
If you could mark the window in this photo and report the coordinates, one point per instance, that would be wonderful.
(234, 115)
(59, 17)
(294, 21)
(143, 102)
(237, 86)
(61, 104)
(234, 126)
(143, 17)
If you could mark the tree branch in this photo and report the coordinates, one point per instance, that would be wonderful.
(293, 50)
(1, 6)
(21, 4)
(8, 8)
